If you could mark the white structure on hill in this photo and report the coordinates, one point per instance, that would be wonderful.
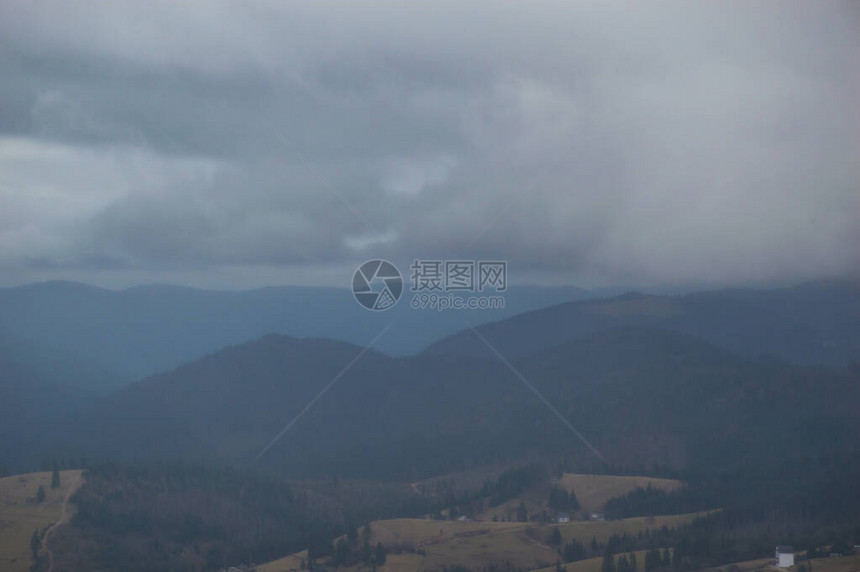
(784, 556)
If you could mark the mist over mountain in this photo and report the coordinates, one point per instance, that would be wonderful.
(40, 387)
(429, 286)
(58, 367)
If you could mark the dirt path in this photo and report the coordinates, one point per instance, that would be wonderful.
(64, 516)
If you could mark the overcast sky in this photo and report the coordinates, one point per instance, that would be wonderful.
(228, 145)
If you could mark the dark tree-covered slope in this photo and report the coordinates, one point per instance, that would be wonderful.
(642, 397)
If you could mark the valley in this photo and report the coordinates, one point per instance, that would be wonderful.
(444, 460)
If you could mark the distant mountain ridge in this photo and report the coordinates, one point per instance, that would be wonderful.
(808, 324)
(144, 330)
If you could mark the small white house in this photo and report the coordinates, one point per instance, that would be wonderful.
(562, 517)
(784, 556)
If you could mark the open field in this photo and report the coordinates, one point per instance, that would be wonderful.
(420, 532)
(593, 491)
(827, 564)
(478, 544)
(594, 564)
(843, 564)
(602, 530)
(20, 516)
(760, 565)
(535, 501)
(291, 562)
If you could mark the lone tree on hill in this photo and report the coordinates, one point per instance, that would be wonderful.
(380, 555)
(55, 477)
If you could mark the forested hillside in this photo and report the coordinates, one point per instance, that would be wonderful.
(645, 399)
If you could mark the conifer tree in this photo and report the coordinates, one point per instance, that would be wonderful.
(55, 477)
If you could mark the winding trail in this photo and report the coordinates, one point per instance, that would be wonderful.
(77, 478)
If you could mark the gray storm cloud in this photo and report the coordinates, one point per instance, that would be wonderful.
(605, 143)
